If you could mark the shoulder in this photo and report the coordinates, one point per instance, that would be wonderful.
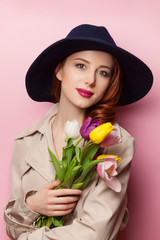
(31, 141)
(126, 140)
(123, 134)
(39, 126)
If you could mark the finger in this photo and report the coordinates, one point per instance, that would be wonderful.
(63, 192)
(52, 184)
(65, 200)
(63, 207)
(60, 207)
(61, 213)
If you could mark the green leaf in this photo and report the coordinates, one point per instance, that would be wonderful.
(77, 150)
(39, 222)
(70, 178)
(87, 179)
(56, 165)
(44, 221)
(68, 152)
(88, 153)
(77, 185)
(64, 162)
(56, 222)
(69, 142)
(70, 169)
(49, 222)
(86, 169)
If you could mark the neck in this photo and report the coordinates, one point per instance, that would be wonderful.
(68, 111)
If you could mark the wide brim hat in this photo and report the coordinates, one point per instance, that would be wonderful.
(137, 78)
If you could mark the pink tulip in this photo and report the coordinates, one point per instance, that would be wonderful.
(111, 139)
(107, 170)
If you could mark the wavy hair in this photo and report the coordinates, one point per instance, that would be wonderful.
(105, 108)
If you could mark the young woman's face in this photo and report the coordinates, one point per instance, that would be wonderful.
(85, 77)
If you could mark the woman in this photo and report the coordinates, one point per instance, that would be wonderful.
(89, 76)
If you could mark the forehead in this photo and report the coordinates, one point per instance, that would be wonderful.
(92, 56)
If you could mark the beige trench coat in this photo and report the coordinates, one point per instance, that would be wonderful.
(100, 211)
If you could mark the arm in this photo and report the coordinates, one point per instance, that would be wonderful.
(99, 212)
(25, 206)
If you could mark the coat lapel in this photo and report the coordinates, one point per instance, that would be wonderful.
(40, 139)
(39, 160)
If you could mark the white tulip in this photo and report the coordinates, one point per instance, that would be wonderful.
(72, 129)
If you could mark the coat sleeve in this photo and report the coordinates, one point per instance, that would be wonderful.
(17, 215)
(101, 210)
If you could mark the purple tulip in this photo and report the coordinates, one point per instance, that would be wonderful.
(88, 126)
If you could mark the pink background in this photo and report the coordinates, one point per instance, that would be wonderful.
(26, 28)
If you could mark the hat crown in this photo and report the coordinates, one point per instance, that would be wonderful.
(91, 32)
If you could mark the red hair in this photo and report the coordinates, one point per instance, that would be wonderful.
(105, 108)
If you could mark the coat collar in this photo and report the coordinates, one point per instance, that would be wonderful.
(41, 125)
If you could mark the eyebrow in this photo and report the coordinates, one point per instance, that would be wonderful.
(103, 66)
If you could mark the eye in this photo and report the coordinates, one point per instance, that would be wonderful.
(81, 66)
(103, 73)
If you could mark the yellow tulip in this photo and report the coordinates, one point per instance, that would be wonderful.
(109, 156)
(98, 134)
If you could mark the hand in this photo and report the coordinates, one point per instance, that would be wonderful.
(53, 202)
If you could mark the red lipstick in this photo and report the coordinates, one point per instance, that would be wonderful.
(84, 93)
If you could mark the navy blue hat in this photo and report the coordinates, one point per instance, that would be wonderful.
(137, 77)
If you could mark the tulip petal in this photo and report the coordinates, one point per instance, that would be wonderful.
(109, 157)
(98, 134)
(111, 139)
(83, 129)
(113, 183)
(72, 129)
(88, 126)
(107, 170)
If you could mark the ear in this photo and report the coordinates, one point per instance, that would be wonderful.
(58, 72)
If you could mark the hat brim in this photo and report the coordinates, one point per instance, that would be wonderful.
(137, 77)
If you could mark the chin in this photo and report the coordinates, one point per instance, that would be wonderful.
(83, 105)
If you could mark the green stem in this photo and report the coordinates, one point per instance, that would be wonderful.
(49, 222)
(78, 141)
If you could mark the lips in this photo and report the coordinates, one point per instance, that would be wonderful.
(84, 93)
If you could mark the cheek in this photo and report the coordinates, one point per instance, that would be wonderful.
(69, 77)
(102, 86)
(68, 84)
(101, 89)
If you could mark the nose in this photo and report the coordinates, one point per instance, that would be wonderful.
(90, 79)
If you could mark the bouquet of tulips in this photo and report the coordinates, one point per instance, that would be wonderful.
(78, 164)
